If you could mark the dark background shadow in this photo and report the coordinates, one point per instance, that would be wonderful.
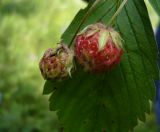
(23, 7)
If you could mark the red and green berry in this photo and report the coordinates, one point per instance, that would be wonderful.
(98, 48)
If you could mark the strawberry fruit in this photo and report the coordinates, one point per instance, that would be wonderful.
(98, 48)
(57, 63)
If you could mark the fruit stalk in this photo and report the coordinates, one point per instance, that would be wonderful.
(117, 12)
(83, 20)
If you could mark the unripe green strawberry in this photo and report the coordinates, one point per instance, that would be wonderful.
(98, 48)
(57, 63)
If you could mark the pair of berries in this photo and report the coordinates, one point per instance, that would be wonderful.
(97, 49)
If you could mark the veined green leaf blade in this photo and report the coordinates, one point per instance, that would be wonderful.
(112, 101)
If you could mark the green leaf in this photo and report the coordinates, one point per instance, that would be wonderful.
(156, 5)
(115, 100)
(48, 87)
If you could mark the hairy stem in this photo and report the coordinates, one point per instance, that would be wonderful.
(84, 18)
(117, 12)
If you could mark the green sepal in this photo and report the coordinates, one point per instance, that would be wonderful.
(92, 32)
(89, 30)
(104, 35)
(84, 30)
(116, 38)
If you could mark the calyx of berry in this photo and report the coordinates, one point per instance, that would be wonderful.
(98, 48)
(57, 63)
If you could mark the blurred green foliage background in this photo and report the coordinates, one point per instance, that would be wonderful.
(27, 28)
